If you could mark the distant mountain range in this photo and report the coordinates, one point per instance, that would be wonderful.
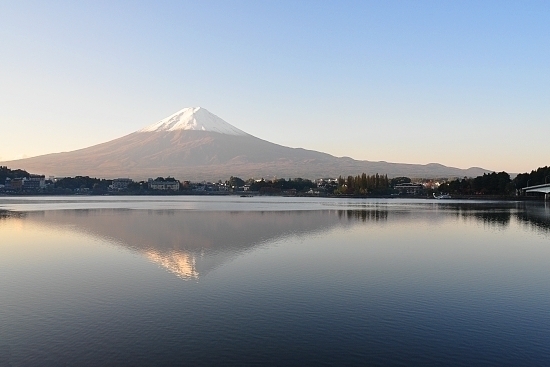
(194, 144)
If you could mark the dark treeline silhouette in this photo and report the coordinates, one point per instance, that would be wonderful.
(271, 186)
(537, 177)
(82, 182)
(496, 183)
(488, 184)
(298, 184)
(5, 172)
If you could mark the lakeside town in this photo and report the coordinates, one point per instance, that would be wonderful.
(501, 185)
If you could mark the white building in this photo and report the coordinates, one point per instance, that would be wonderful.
(168, 184)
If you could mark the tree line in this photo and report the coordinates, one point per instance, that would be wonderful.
(272, 186)
(496, 183)
(363, 184)
(5, 172)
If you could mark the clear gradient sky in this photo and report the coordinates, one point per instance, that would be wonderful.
(462, 83)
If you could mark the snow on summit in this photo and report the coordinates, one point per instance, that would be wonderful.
(194, 118)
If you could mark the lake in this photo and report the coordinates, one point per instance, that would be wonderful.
(204, 281)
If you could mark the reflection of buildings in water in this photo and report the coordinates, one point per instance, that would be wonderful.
(364, 215)
(179, 263)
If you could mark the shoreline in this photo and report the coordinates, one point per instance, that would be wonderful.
(254, 194)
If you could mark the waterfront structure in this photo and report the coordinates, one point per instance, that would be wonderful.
(32, 183)
(120, 184)
(409, 188)
(164, 184)
(544, 188)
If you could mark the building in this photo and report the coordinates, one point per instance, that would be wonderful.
(164, 184)
(319, 191)
(120, 184)
(322, 182)
(34, 183)
(15, 184)
(409, 188)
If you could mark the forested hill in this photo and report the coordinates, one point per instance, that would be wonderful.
(5, 172)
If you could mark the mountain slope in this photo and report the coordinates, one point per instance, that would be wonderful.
(194, 144)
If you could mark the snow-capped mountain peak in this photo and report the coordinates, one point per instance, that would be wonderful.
(194, 118)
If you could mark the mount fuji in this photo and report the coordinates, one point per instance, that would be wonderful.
(194, 144)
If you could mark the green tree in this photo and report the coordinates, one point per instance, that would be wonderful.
(235, 182)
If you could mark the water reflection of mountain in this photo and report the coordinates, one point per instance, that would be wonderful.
(191, 243)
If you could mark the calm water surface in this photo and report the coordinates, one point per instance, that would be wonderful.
(145, 281)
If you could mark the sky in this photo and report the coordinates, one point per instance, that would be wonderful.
(461, 83)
